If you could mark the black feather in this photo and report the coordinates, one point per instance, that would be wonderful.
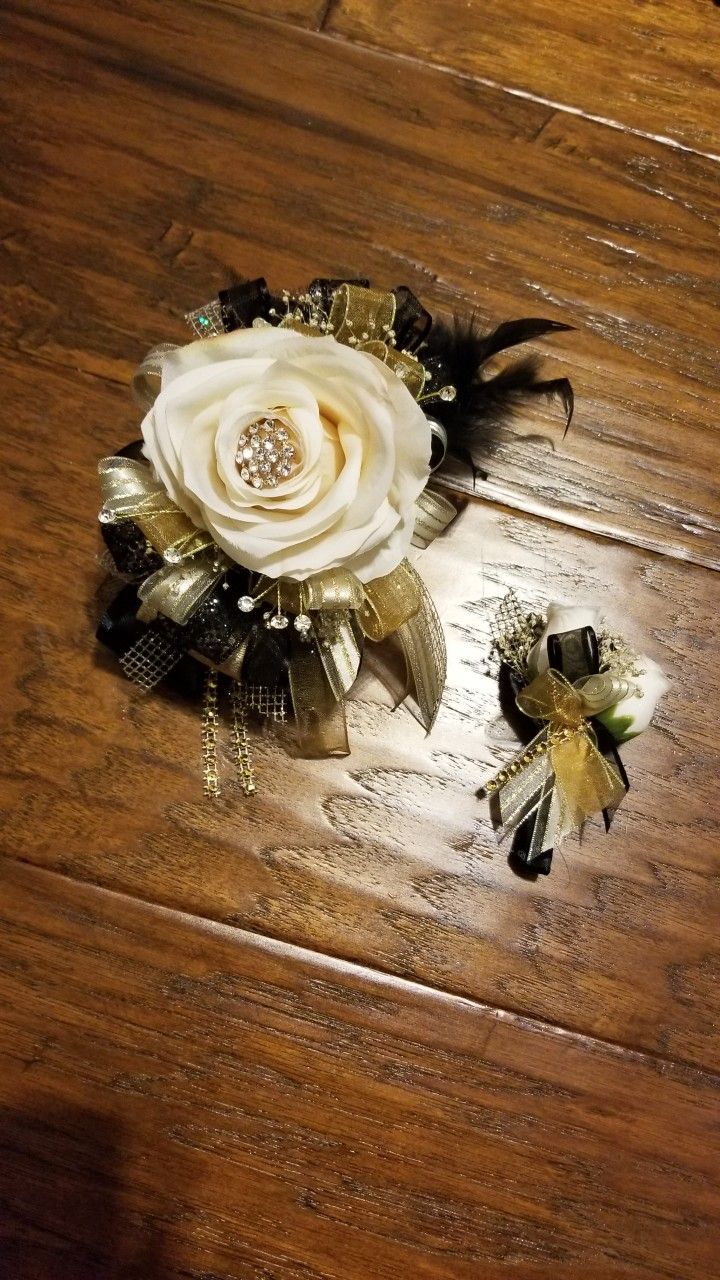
(454, 354)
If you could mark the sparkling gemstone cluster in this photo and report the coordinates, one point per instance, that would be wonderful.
(265, 454)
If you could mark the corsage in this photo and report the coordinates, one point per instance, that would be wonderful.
(263, 523)
(584, 691)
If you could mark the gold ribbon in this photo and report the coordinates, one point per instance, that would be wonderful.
(340, 649)
(333, 589)
(563, 759)
(319, 715)
(364, 319)
(423, 642)
(178, 590)
(433, 514)
(129, 492)
(389, 602)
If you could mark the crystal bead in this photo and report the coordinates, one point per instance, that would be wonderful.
(257, 482)
(303, 624)
(106, 517)
(172, 556)
(278, 622)
(447, 393)
(246, 604)
(244, 474)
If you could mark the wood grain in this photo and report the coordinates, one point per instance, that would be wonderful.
(308, 13)
(387, 857)
(178, 1099)
(651, 66)
(126, 203)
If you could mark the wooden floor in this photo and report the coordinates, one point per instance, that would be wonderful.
(329, 1035)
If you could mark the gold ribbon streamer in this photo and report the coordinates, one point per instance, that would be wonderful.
(390, 601)
(433, 515)
(423, 642)
(584, 781)
(340, 651)
(129, 492)
(319, 715)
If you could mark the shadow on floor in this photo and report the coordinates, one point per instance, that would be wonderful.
(64, 1212)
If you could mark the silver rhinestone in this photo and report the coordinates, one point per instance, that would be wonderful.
(246, 604)
(244, 474)
(254, 429)
(253, 468)
(447, 393)
(278, 622)
(106, 517)
(172, 556)
(257, 482)
(303, 624)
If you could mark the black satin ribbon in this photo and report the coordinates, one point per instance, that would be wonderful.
(575, 655)
(245, 302)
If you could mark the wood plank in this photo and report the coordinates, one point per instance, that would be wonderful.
(179, 1099)
(650, 67)
(191, 151)
(307, 13)
(387, 857)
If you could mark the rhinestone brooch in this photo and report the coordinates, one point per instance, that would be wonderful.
(265, 454)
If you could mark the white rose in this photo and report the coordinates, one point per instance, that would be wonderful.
(633, 714)
(560, 617)
(361, 451)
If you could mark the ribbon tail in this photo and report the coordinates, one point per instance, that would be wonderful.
(340, 652)
(319, 715)
(423, 643)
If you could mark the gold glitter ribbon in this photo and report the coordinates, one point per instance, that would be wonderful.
(129, 492)
(332, 589)
(562, 767)
(364, 319)
(177, 591)
(390, 601)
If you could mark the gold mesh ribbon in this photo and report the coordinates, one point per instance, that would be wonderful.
(562, 767)
(129, 492)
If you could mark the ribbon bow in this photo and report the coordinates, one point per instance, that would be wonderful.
(562, 777)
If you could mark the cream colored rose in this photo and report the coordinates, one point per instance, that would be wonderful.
(633, 714)
(358, 448)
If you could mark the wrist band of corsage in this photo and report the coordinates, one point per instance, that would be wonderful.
(263, 523)
(590, 692)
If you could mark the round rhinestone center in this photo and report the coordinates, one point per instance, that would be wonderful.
(266, 454)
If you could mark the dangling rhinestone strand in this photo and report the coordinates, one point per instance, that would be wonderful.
(265, 454)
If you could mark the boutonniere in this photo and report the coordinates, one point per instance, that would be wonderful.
(264, 521)
(585, 691)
